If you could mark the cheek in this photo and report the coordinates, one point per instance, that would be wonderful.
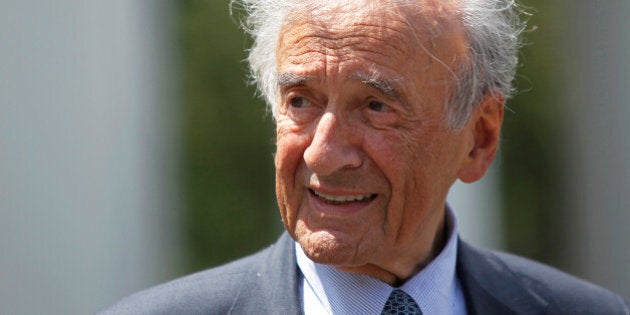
(396, 154)
(434, 159)
(407, 159)
(290, 148)
(289, 156)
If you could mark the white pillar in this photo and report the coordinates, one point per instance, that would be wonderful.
(86, 154)
(598, 116)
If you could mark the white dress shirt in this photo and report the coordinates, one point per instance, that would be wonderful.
(436, 289)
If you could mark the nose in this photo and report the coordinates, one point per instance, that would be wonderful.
(333, 146)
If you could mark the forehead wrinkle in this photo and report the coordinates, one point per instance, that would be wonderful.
(346, 28)
(326, 43)
(393, 36)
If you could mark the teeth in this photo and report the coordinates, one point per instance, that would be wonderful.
(340, 199)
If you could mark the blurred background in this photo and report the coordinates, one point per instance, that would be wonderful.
(132, 150)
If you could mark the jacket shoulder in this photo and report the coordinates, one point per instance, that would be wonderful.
(552, 290)
(212, 291)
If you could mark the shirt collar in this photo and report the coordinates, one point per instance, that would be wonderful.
(434, 288)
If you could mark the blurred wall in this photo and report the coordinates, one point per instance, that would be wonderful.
(87, 153)
(564, 152)
(597, 169)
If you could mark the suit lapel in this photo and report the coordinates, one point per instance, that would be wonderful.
(271, 287)
(282, 271)
(490, 287)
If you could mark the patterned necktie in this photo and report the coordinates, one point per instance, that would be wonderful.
(400, 303)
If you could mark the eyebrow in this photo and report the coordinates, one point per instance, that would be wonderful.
(384, 86)
(291, 79)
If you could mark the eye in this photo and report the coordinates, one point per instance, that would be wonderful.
(300, 107)
(380, 114)
(298, 102)
(378, 106)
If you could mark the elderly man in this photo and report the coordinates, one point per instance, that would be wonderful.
(380, 106)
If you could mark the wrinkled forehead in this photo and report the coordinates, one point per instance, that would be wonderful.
(431, 26)
(420, 32)
(432, 16)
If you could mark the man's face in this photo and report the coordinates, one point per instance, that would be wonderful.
(364, 158)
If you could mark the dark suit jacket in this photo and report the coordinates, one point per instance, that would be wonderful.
(268, 283)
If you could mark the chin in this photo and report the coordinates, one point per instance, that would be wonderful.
(329, 248)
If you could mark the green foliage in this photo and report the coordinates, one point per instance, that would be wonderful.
(532, 134)
(227, 141)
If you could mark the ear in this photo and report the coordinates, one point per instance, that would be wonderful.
(484, 126)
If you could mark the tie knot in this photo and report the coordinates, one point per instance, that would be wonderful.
(400, 303)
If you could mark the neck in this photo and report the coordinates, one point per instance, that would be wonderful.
(402, 270)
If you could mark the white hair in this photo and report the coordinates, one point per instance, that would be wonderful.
(492, 28)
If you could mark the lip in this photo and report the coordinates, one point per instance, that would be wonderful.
(339, 204)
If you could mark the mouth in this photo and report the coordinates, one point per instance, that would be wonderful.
(342, 199)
